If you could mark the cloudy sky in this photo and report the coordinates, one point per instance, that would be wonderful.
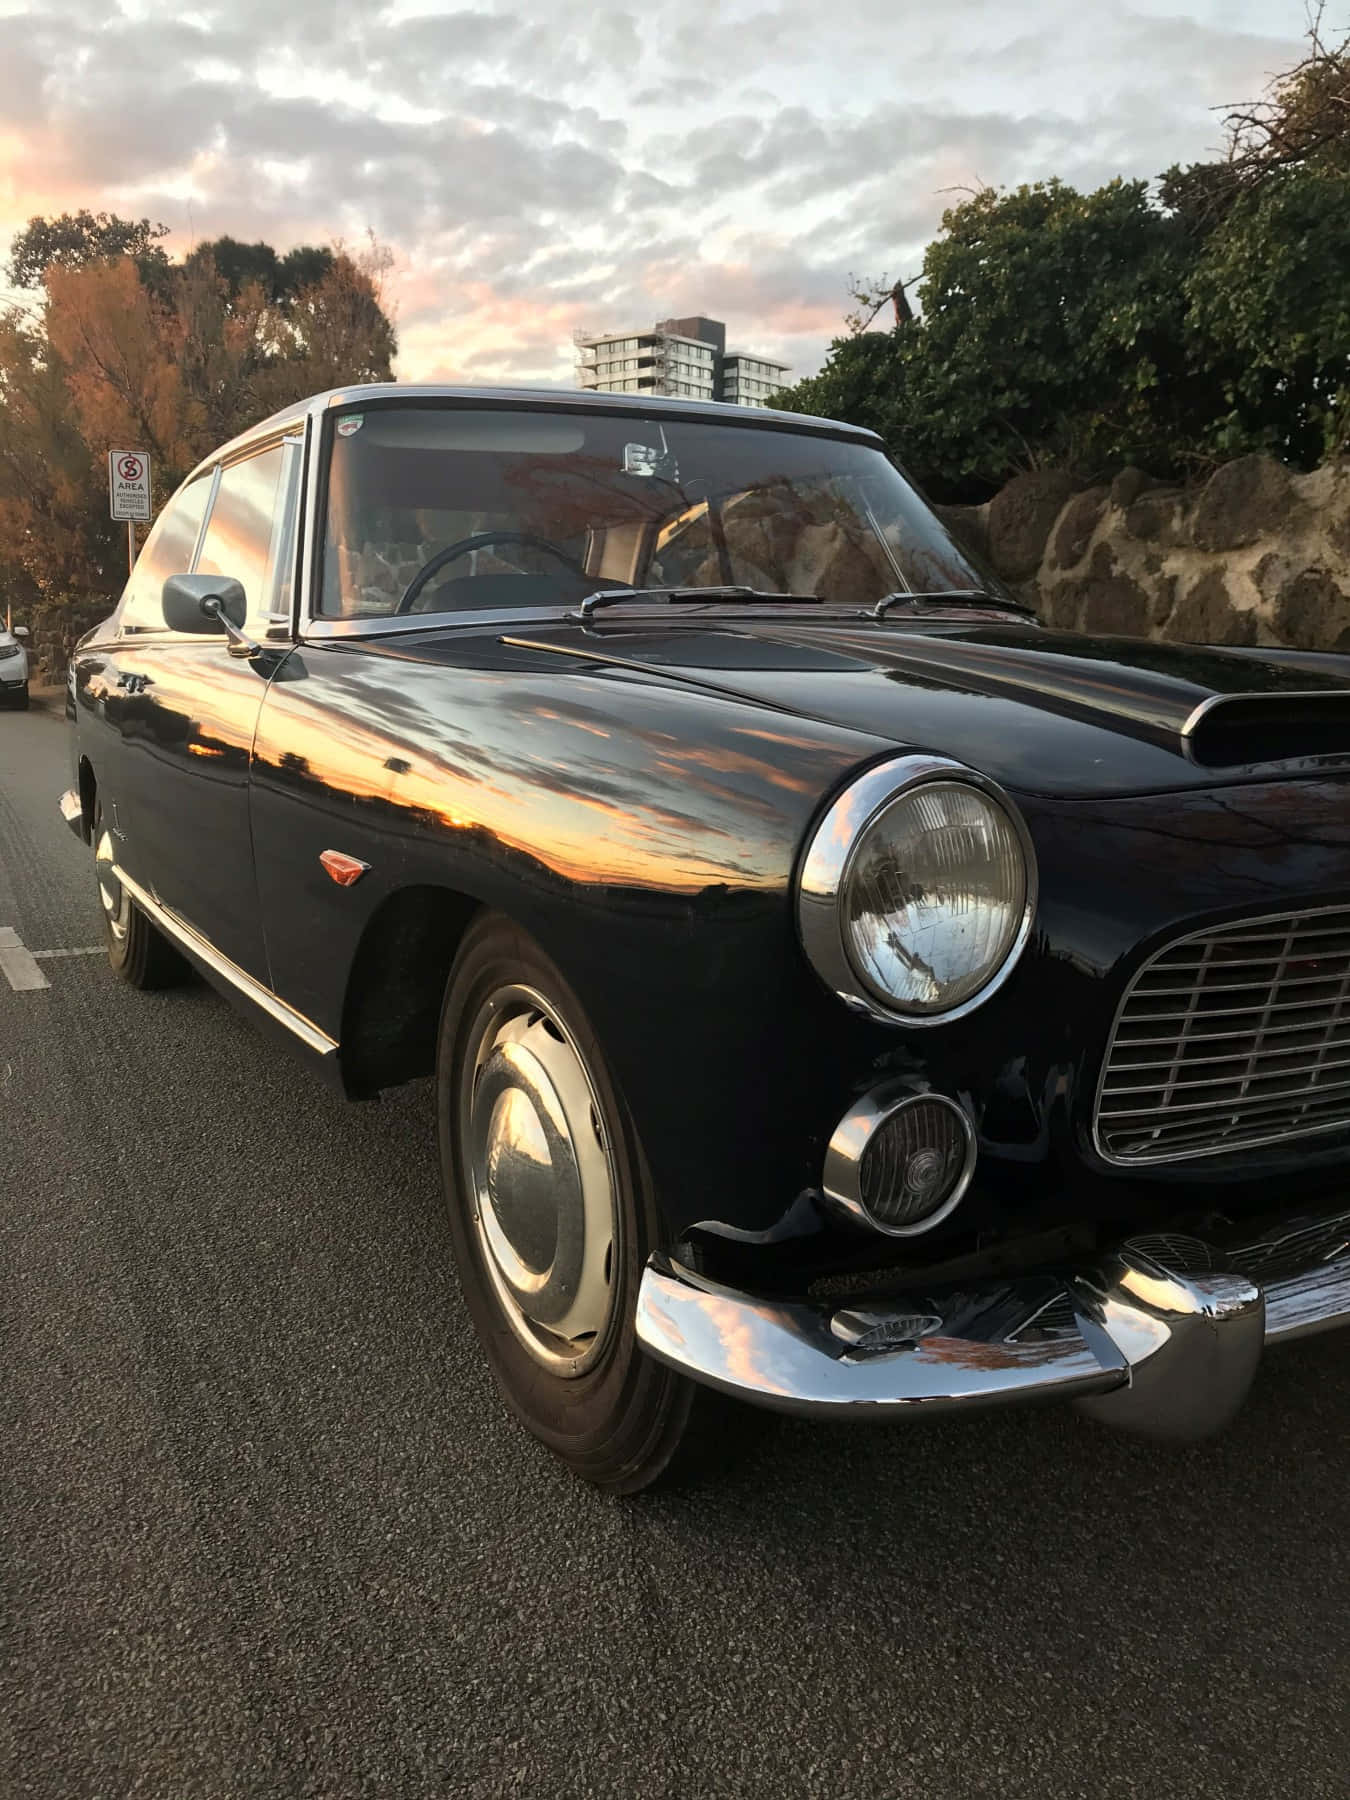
(540, 166)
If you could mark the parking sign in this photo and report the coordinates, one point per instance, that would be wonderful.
(129, 484)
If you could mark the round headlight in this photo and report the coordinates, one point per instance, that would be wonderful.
(933, 897)
(928, 877)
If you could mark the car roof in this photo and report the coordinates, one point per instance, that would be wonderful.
(535, 398)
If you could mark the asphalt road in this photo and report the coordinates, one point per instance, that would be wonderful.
(266, 1530)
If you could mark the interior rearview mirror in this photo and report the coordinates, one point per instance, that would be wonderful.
(186, 598)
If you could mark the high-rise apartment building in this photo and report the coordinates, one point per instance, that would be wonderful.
(685, 357)
(749, 380)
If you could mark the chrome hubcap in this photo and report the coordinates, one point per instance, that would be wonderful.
(542, 1181)
(115, 900)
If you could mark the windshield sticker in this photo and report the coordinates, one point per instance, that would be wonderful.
(349, 426)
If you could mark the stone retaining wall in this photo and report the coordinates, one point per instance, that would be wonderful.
(1255, 555)
(55, 628)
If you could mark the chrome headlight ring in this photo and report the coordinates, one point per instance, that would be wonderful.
(822, 883)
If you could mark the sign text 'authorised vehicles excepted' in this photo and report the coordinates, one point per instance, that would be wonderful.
(129, 484)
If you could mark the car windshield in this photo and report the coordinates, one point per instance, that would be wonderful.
(434, 508)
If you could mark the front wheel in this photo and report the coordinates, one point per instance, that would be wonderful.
(552, 1213)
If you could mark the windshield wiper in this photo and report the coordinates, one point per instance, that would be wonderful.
(946, 597)
(688, 596)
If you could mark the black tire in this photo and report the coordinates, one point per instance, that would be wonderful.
(137, 951)
(619, 1422)
(21, 702)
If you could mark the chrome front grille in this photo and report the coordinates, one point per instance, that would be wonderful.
(1230, 1038)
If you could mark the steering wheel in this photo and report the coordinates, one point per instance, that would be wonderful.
(477, 542)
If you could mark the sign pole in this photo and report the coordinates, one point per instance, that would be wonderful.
(131, 548)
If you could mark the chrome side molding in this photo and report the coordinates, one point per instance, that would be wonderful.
(205, 952)
(1163, 1336)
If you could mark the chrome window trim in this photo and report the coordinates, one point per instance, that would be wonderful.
(312, 623)
(825, 867)
(1205, 1151)
(319, 629)
(196, 945)
(273, 621)
(841, 1176)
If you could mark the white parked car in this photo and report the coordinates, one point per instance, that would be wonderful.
(13, 666)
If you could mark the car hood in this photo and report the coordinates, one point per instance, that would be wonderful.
(1041, 711)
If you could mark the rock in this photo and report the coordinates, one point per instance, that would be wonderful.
(1164, 596)
(1205, 614)
(1128, 485)
(1337, 511)
(1114, 605)
(1021, 517)
(1241, 502)
(1271, 574)
(968, 525)
(1079, 519)
(1060, 606)
(1158, 517)
(1312, 612)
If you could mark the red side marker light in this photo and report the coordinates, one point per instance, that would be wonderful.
(345, 870)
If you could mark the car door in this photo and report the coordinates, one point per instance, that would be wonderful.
(110, 674)
(186, 763)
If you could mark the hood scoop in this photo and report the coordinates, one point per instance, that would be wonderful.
(1242, 728)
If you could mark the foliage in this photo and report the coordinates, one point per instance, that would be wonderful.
(280, 277)
(1302, 123)
(1084, 331)
(1270, 301)
(75, 240)
(173, 361)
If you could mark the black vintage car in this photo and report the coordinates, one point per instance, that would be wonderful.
(841, 992)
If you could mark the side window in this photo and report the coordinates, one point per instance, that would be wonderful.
(239, 531)
(281, 556)
(167, 551)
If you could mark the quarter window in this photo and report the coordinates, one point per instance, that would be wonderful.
(239, 532)
(168, 551)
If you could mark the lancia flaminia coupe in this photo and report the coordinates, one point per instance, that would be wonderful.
(842, 994)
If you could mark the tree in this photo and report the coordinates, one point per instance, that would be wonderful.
(55, 534)
(173, 363)
(1169, 328)
(280, 277)
(75, 240)
(1269, 302)
(1051, 332)
(1302, 122)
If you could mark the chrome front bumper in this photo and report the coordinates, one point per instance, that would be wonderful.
(1161, 1336)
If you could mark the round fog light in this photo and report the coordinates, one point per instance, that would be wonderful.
(900, 1163)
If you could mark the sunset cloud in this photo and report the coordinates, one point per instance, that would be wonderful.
(538, 168)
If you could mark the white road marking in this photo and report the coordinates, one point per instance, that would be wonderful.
(17, 964)
(94, 950)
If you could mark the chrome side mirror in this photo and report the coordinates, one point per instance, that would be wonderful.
(203, 603)
(209, 603)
